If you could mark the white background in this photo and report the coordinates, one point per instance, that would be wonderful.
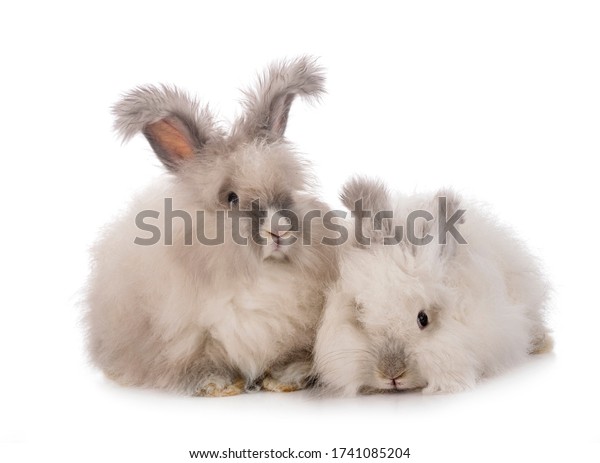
(500, 100)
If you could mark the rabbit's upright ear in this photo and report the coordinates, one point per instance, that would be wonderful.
(174, 124)
(372, 193)
(450, 217)
(445, 228)
(369, 200)
(268, 105)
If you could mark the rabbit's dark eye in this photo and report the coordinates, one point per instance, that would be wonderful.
(422, 319)
(232, 198)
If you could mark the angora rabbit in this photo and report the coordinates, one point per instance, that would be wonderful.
(181, 314)
(435, 316)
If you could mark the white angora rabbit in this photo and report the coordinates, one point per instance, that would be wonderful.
(439, 316)
(182, 295)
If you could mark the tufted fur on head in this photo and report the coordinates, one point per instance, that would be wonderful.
(186, 315)
(435, 316)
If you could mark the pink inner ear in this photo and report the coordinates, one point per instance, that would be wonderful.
(171, 138)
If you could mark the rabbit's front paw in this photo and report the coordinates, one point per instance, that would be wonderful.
(292, 377)
(219, 387)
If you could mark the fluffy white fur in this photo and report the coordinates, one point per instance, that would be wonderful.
(484, 300)
(212, 320)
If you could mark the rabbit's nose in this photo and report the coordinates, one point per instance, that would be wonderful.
(392, 365)
(276, 226)
(393, 375)
(275, 235)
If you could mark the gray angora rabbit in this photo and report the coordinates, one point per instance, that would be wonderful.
(205, 319)
(435, 316)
